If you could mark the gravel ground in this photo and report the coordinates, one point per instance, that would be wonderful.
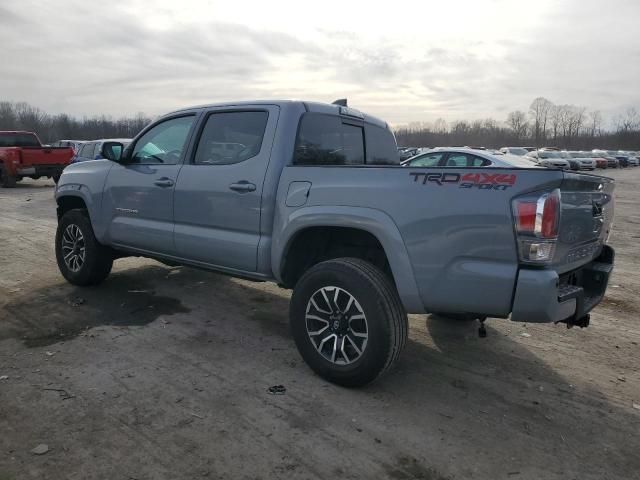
(162, 373)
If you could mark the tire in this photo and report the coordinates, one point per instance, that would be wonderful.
(7, 181)
(374, 297)
(56, 178)
(98, 259)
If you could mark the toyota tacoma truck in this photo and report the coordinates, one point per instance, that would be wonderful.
(22, 155)
(311, 196)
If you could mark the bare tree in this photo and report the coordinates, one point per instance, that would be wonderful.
(22, 116)
(595, 123)
(517, 121)
(628, 122)
(440, 126)
(540, 110)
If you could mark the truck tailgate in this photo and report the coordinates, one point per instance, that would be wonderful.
(32, 156)
(585, 219)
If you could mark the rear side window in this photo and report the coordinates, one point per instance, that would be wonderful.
(231, 137)
(457, 160)
(328, 140)
(479, 162)
(466, 160)
(87, 150)
(381, 146)
(427, 160)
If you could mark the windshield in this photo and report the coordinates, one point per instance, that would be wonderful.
(19, 140)
(550, 155)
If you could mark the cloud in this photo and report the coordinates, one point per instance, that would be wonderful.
(123, 62)
(470, 60)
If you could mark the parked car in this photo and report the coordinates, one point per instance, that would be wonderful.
(317, 202)
(585, 161)
(612, 161)
(75, 144)
(520, 151)
(632, 160)
(465, 157)
(93, 150)
(601, 161)
(549, 159)
(574, 164)
(23, 155)
(408, 152)
(493, 151)
(623, 160)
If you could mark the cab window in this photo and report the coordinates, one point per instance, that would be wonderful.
(231, 137)
(164, 143)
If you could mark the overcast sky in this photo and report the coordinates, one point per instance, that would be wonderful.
(408, 61)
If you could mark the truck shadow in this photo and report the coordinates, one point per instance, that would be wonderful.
(60, 312)
(447, 380)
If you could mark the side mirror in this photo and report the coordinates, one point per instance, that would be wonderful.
(112, 151)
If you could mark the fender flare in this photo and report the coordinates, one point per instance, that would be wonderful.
(82, 192)
(373, 221)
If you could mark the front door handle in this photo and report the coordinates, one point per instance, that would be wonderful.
(243, 186)
(164, 182)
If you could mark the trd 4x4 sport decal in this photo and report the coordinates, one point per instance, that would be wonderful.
(482, 181)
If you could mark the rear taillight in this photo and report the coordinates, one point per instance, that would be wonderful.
(537, 217)
(550, 214)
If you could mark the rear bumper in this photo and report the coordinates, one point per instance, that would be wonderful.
(544, 296)
(40, 170)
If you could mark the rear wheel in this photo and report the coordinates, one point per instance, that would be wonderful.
(82, 260)
(347, 321)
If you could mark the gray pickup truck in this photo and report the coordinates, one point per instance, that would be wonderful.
(312, 196)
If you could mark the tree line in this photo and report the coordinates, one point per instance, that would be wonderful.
(544, 124)
(22, 116)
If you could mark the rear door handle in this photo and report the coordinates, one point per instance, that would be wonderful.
(242, 186)
(163, 182)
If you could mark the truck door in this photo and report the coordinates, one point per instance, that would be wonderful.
(138, 195)
(218, 194)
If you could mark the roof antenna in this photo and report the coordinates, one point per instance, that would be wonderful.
(341, 101)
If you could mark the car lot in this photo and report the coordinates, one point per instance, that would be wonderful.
(163, 373)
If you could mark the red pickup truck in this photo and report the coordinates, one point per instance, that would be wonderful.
(22, 155)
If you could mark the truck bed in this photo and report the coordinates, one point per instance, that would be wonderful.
(457, 224)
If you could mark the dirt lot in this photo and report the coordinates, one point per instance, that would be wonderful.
(162, 373)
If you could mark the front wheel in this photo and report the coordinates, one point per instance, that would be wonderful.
(7, 181)
(82, 260)
(347, 321)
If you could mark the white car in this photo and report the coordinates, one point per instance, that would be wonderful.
(519, 151)
(466, 157)
(586, 162)
(548, 158)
